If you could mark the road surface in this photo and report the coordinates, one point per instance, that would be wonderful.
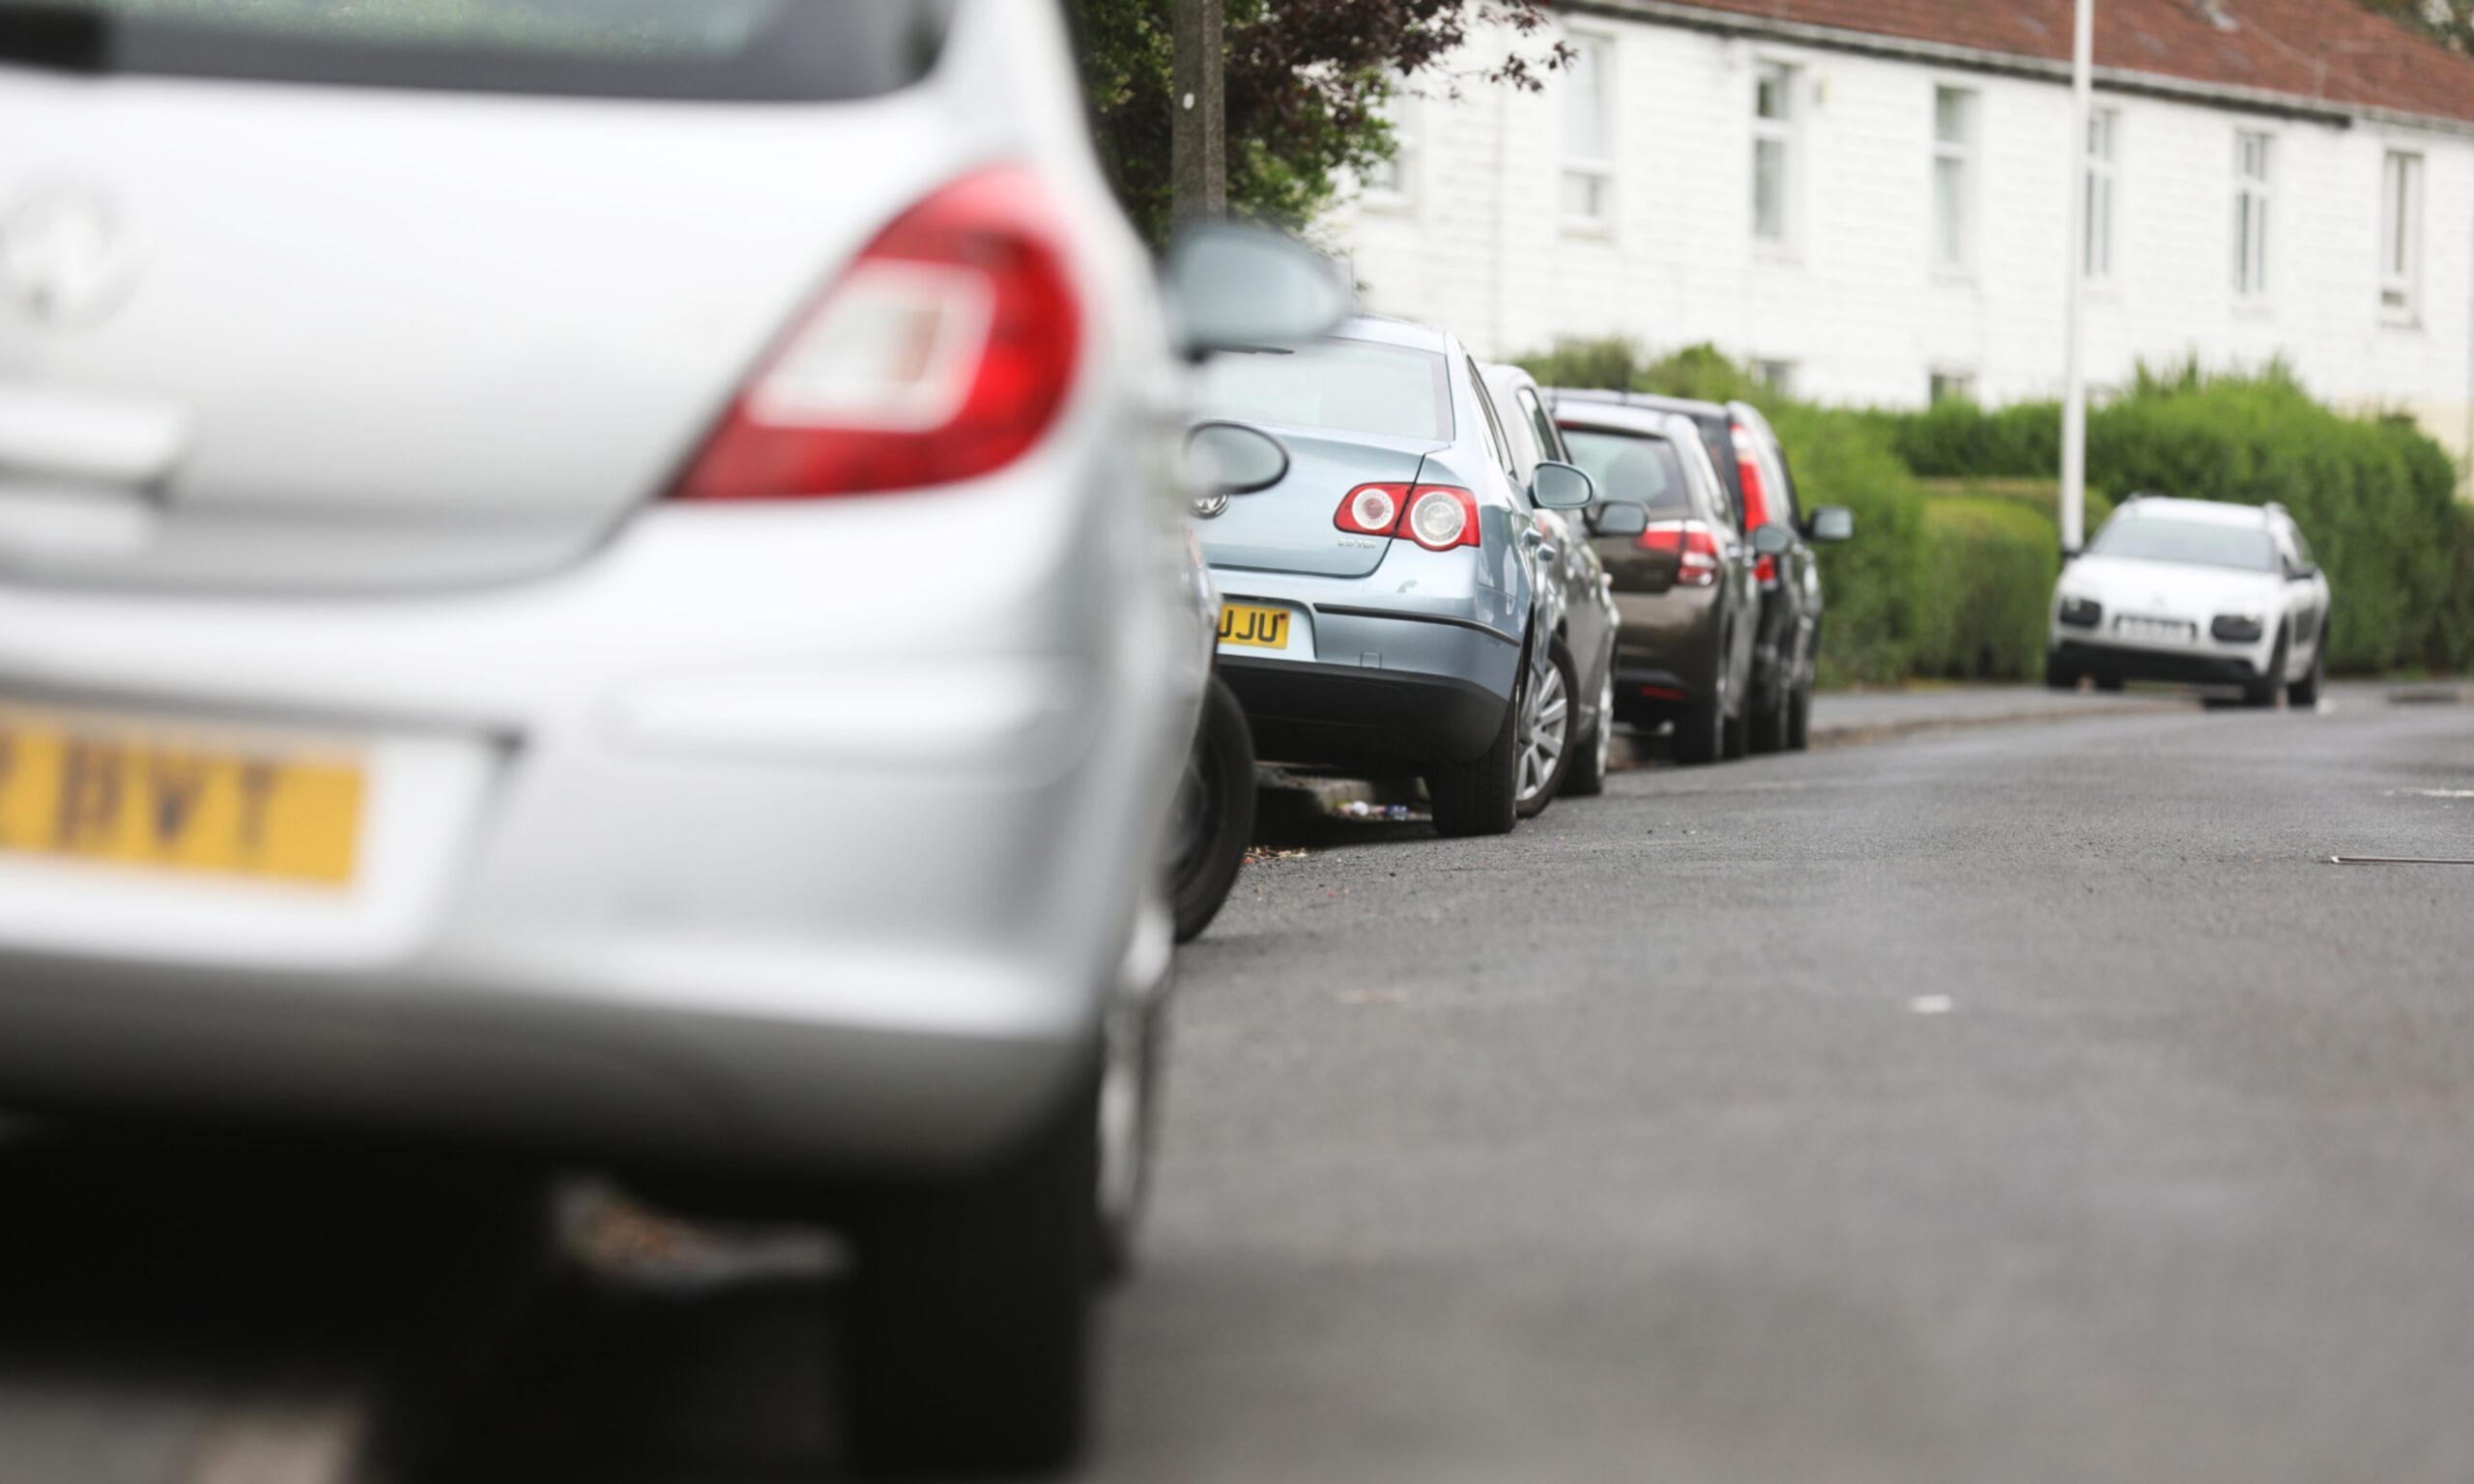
(2028, 1102)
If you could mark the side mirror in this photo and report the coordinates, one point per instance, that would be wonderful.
(2301, 574)
(1229, 286)
(1830, 523)
(1773, 540)
(1561, 487)
(1619, 518)
(1230, 458)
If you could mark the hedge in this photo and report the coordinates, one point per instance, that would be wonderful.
(2374, 496)
(1989, 568)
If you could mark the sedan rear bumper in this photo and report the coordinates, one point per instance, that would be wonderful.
(1341, 714)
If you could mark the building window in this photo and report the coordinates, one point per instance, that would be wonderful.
(1778, 376)
(1774, 153)
(2104, 137)
(1392, 182)
(1589, 133)
(2401, 237)
(1954, 142)
(1953, 386)
(2253, 162)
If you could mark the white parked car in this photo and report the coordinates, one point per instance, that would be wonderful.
(2196, 591)
(612, 578)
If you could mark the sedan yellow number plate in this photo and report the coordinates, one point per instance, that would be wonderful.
(1253, 626)
(138, 794)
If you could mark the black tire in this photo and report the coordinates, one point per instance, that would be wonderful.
(2112, 685)
(2058, 675)
(1585, 777)
(1215, 813)
(2262, 694)
(1700, 732)
(1480, 797)
(1799, 718)
(970, 1318)
(1737, 734)
(1769, 729)
(1551, 769)
(2304, 694)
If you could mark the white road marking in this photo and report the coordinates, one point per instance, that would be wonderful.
(2431, 793)
(1930, 1005)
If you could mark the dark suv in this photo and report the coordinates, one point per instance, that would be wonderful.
(1761, 487)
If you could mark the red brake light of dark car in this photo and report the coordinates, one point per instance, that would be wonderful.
(941, 354)
(1756, 498)
(1696, 548)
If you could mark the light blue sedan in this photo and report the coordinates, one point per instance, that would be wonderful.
(1389, 605)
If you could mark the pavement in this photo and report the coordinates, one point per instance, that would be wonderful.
(2026, 1101)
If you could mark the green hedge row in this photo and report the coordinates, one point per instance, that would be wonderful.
(2376, 496)
(1956, 534)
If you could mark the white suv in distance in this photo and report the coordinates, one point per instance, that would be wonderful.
(611, 579)
(2196, 591)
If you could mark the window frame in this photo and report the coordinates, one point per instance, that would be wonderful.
(1403, 110)
(1786, 132)
(2253, 217)
(2402, 177)
(1603, 48)
(1946, 383)
(1964, 153)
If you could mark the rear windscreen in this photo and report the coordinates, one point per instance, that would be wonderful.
(784, 50)
(1629, 467)
(1346, 385)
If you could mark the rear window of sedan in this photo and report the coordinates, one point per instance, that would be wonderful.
(2198, 543)
(1633, 467)
(751, 50)
(1343, 386)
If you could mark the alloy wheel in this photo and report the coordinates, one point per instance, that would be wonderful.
(1545, 725)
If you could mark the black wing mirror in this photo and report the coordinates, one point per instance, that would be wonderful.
(1830, 523)
(1230, 458)
(1619, 518)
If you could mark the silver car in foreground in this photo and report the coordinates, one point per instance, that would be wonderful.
(607, 579)
(1383, 605)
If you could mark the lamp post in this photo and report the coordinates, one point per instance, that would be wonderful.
(2074, 398)
(1198, 132)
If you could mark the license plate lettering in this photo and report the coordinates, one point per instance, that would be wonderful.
(122, 795)
(1253, 626)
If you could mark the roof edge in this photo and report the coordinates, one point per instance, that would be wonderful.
(2264, 100)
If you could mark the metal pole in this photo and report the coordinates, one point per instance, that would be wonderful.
(2074, 398)
(1198, 135)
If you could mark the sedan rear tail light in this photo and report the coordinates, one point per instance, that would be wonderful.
(1436, 516)
(1756, 498)
(943, 353)
(1696, 548)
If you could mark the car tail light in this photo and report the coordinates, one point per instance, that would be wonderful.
(1756, 498)
(1696, 548)
(1436, 516)
(942, 352)
(1372, 509)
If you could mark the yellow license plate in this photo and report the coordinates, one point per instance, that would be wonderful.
(153, 796)
(1255, 626)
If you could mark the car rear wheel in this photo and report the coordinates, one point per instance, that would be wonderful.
(1481, 797)
(1215, 813)
(1769, 719)
(1701, 730)
(2262, 692)
(970, 1332)
(1546, 731)
(2304, 693)
(1735, 735)
(1586, 777)
(1799, 718)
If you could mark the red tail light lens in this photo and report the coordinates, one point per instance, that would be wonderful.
(1372, 509)
(1756, 498)
(942, 354)
(1436, 516)
(1696, 548)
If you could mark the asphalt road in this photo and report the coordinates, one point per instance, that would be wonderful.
(2029, 1102)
